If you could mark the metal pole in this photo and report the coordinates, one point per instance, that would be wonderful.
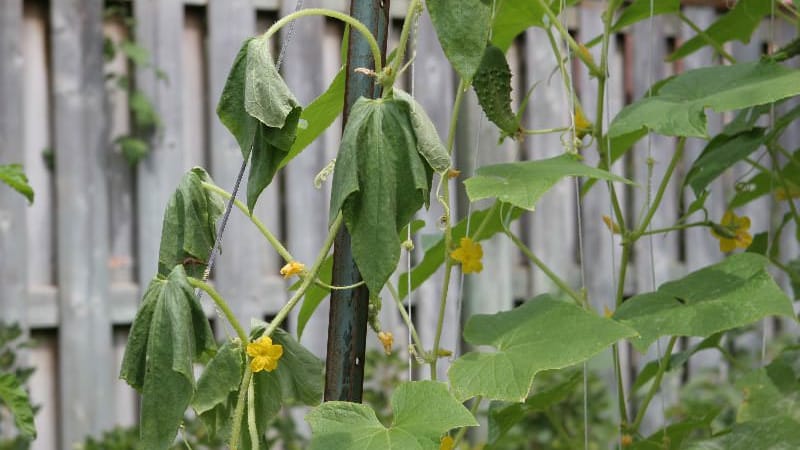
(347, 329)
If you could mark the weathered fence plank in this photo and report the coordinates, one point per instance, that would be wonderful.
(82, 219)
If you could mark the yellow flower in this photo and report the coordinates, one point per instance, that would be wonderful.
(387, 339)
(292, 268)
(469, 254)
(582, 125)
(446, 443)
(732, 232)
(453, 173)
(265, 354)
(612, 226)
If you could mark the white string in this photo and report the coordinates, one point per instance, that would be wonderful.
(771, 179)
(412, 92)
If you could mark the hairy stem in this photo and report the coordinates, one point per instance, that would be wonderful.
(662, 368)
(222, 305)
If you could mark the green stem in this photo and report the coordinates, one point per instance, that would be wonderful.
(662, 188)
(778, 173)
(485, 222)
(451, 134)
(325, 285)
(413, 10)
(239, 411)
(662, 368)
(714, 44)
(222, 305)
(704, 223)
(251, 415)
(579, 300)
(579, 52)
(546, 130)
(273, 241)
(476, 402)
(407, 319)
(448, 266)
(559, 427)
(355, 23)
(793, 276)
(621, 403)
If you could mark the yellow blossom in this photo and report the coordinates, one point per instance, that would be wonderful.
(732, 232)
(446, 443)
(292, 268)
(469, 254)
(582, 125)
(612, 226)
(387, 339)
(265, 354)
(453, 173)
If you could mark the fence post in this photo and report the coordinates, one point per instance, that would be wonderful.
(347, 328)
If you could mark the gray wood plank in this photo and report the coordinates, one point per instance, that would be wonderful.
(44, 387)
(159, 29)
(13, 214)
(82, 219)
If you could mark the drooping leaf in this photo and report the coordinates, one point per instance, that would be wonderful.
(434, 255)
(318, 116)
(230, 108)
(640, 10)
(492, 84)
(428, 143)
(512, 17)
(423, 411)
(778, 432)
(733, 293)
(737, 24)
(542, 334)
(379, 182)
(190, 225)
(169, 334)
(678, 108)
(720, 154)
(14, 397)
(12, 175)
(266, 95)
(462, 27)
(523, 183)
(217, 389)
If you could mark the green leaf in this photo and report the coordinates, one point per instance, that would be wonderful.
(720, 154)
(523, 183)
(189, 228)
(512, 17)
(678, 108)
(217, 389)
(315, 294)
(379, 182)
(423, 412)
(503, 416)
(640, 10)
(428, 143)
(12, 175)
(676, 360)
(733, 293)
(492, 84)
(462, 27)
(266, 96)
(132, 148)
(434, 255)
(674, 435)
(763, 396)
(169, 334)
(270, 147)
(231, 110)
(14, 397)
(737, 24)
(542, 334)
(145, 117)
(779, 432)
(318, 116)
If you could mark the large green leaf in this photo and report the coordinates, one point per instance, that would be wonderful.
(379, 182)
(217, 388)
(423, 412)
(678, 107)
(230, 108)
(429, 145)
(738, 24)
(14, 397)
(773, 433)
(169, 334)
(318, 116)
(492, 84)
(512, 17)
(462, 27)
(190, 225)
(733, 293)
(773, 390)
(720, 154)
(644, 9)
(542, 334)
(523, 183)
(434, 255)
(12, 175)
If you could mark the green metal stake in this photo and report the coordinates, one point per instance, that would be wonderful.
(347, 330)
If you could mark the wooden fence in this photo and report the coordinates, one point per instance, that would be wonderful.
(72, 265)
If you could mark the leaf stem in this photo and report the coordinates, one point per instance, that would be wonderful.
(704, 223)
(239, 411)
(545, 131)
(251, 415)
(222, 305)
(407, 319)
(584, 56)
(662, 368)
(273, 241)
(414, 8)
(355, 23)
(662, 188)
(714, 44)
